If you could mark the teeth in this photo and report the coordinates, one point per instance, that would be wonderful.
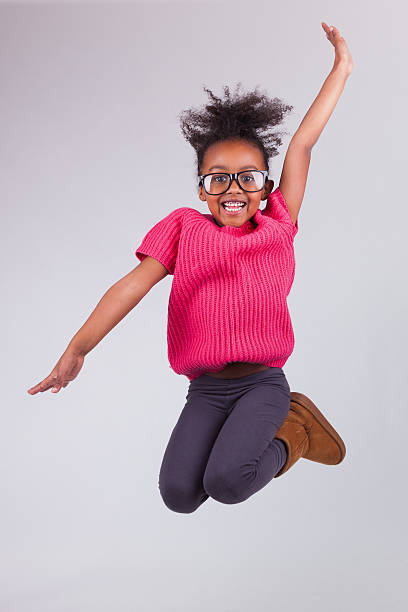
(233, 205)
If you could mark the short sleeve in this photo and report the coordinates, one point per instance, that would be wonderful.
(161, 241)
(277, 208)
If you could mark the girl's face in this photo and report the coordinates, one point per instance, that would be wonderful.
(233, 156)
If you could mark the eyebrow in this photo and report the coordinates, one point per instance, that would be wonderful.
(223, 168)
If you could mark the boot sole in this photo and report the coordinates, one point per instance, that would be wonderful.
(307, 403)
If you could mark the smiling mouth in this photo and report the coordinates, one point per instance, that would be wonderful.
(233, 207)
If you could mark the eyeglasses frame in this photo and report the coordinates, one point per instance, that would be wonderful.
(233, 176)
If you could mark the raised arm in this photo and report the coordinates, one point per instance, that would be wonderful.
(297, 160)
(114, 305)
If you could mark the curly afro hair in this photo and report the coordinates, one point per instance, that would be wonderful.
(246, 116)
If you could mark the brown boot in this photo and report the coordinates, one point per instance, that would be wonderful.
(307, 433)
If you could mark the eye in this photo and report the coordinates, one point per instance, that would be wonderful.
(247, 178)
(219, 178)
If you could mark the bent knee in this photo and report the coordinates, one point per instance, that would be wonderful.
(178, 499)
(225, 488)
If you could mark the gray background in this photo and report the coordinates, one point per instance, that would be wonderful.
(91, 157)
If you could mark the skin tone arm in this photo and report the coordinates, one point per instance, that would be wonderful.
(114, 305)
(297, 160)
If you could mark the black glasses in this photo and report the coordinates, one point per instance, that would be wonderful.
(219, 182)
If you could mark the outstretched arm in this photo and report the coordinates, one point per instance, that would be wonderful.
(297, 160)
(124, 295)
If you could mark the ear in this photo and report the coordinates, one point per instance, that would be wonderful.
(201, 194)
(268, 187)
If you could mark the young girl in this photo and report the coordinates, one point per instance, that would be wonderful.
(229, 330)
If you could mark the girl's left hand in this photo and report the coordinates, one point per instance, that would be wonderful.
(342, 57)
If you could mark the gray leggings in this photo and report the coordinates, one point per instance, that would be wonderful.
(223, 445)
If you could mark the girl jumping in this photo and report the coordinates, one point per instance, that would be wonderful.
(229, 330)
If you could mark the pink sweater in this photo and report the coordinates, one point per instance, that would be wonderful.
(228, 297)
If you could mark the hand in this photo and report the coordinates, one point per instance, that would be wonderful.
(66, 370)
(342, 58)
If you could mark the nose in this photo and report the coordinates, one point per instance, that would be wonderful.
(235, 180)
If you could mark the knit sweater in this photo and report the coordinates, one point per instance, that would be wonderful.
(228, 296)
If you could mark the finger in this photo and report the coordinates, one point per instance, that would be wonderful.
(337, 35)
(42, 386)
(328, 30)
(45, 384)
(332, 34)
(55, 385)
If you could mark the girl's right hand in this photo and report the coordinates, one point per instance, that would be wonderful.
(66, 370)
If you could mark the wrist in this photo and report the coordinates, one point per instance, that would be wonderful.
(342, 68)
(75, 349)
